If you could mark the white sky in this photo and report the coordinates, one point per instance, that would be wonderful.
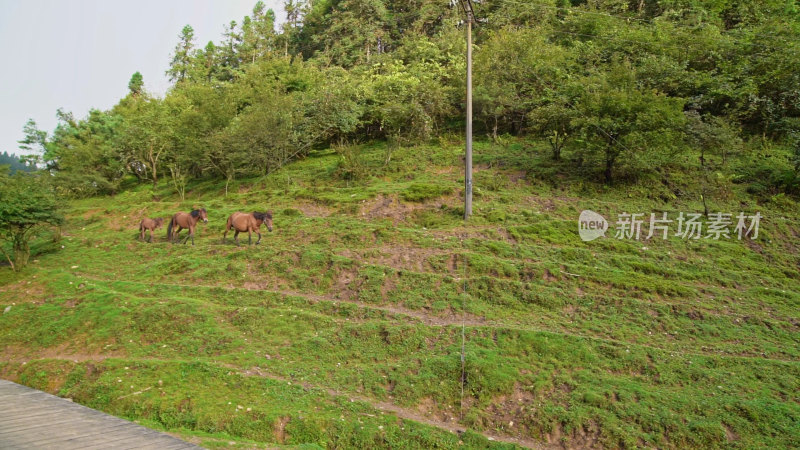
(80, 54)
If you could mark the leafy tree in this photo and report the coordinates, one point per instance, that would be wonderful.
(205, 64)
(621, 124)
(27, 203)
(136, 85)
(228, 56)
(181, 57)
(146, 136)
(554, 121)
(715, 139)
(514, 71)
(355, 32)
(258, 34)
(84, 152)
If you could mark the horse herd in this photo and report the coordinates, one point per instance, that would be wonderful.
(240, 222)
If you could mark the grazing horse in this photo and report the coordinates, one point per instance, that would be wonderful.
(183, 220)
(242, 222)
(149, 224)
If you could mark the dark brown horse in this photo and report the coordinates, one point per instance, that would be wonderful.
(183, 220)
(149, 224)
(242, 222)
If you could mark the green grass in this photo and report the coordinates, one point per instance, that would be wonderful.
(360, 293)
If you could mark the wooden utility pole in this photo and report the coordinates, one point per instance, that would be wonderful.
(470, 19)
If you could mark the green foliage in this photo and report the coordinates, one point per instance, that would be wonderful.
(27, 203)
(621, 124)
(136, 84)
(14, 163)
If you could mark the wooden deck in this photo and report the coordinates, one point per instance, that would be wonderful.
(36, 419)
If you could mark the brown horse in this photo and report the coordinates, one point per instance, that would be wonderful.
(183, 220)
(149, 224)
(242, 222)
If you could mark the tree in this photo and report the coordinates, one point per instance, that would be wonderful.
(146, 135)
(554, 121)
(620, 123)
(34, 142)
(228, 53)
(514, 71)
(27, 203)
(181, 56)
(715, 139)
(84, 153)
(136, 85)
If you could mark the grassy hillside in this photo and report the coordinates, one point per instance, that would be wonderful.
(343, 328)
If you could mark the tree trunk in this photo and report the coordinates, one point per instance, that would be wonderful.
(21, 252)
(609, 167)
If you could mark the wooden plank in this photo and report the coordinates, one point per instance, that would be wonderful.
(69, 431)
(66, 437)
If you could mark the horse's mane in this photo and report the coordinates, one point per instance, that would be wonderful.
(262, 216)
(196, 212)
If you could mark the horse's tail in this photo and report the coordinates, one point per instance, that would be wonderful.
(169, 228)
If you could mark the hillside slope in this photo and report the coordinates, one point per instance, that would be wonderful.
(344, 327)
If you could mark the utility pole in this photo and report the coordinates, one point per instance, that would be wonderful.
(469, 11)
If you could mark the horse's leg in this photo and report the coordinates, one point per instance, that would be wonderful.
(236, 237)
(258, 232)
(151, 235)
(249, 237)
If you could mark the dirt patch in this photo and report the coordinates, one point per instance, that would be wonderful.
(548, 276)
(386, 207)
(417, 259)
(517, 175)
(444, 170)
(280, 429)
(313, 209)
(731, 435)
(24, 291)
(507, 413)
(428, 408)
(89, 213)
(252, 286)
